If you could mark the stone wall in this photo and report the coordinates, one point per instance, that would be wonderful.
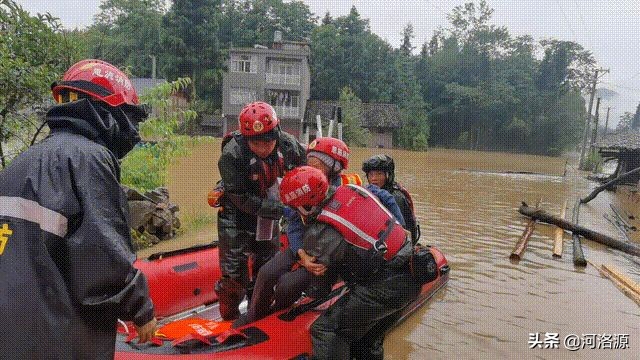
(153, 217)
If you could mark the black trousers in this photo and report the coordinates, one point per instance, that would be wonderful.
(276, 286)
(355, 325)
(235, 245)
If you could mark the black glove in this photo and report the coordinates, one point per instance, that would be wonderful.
(271, 209)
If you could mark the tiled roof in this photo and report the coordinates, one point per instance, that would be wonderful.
(373, 114)
(623, 140)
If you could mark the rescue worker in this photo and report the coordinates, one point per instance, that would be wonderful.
(250, 165)
(380, 171)
(349, 231)
(331, 156)
(66, 259)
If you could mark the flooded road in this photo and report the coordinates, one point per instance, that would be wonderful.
(467, 206)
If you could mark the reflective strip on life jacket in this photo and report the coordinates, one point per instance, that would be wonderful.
(29, 210)
(363, 221)
(351, 227)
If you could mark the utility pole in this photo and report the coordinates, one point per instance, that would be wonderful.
(153, 66)
(606, 123)
(594, 135)
(585, 135)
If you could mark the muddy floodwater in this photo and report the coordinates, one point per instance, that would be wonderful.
(492, 307)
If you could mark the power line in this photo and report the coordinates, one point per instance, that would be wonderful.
(620, 86)
(564, 16)
(436, 7)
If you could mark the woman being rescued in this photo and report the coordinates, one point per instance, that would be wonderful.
(283, 279)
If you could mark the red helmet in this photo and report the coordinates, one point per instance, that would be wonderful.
(98, 79)
(336, 149)
(257, 118)
(303, 188)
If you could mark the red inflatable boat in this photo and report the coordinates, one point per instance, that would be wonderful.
(181, 285)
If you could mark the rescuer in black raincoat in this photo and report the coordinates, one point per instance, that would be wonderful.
(66, 257)
(250, 165)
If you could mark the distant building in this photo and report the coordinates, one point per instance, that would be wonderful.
(278, 75)
(379, 119)
(625, 147)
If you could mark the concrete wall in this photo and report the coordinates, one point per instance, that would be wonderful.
(381, 140)
(257, 81)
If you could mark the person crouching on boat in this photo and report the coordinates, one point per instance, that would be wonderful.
(380, 171)
(250, 165)
(350, 232)
(66, 259)
(277, 287)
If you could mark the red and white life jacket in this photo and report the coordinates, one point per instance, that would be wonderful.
(363, 221)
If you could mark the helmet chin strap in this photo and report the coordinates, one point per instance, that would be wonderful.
(334, 170)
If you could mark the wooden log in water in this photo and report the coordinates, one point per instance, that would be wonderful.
(618, 275)
(609, 184)
(618, 212)
(624, 284)
(541, 215)
(558, 234)
(516, 254)
(578, 254)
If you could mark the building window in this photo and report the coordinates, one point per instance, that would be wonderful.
(240, 96)
(244, 63)
(286, 103)
(281, 72)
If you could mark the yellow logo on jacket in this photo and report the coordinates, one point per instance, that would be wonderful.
(5, 232)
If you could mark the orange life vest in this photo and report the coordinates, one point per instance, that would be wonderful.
(350, 179)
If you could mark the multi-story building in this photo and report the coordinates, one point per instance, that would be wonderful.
(278, 75)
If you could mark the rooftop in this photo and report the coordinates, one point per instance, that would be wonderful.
(373, 114)
(621, 140)
(285, 48)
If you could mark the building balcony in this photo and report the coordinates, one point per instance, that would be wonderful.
(283, 79)
(287, 111)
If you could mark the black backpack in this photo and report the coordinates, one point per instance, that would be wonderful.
(423, 265)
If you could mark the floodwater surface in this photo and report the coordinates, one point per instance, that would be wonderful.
(492, 307)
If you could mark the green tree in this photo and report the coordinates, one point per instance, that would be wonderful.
(488, 90)
(414, 132)
(579, 64)
(146, 167)
(406, 48)
(352, 24)
(192, 47)
(346, 53)
(635, 122)
(33, 54)
(625, 121)
(327, 19)
(353, 132)
(127, 33)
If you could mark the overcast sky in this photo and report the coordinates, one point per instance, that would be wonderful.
(609, 28)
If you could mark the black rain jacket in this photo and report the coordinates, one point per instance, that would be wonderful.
(66, 257)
